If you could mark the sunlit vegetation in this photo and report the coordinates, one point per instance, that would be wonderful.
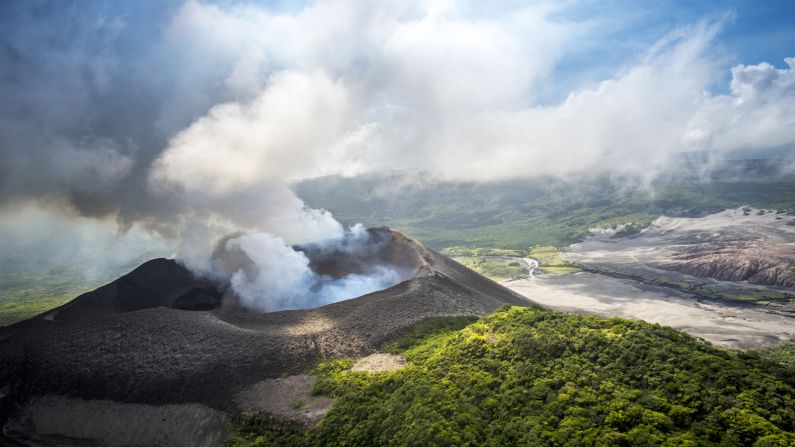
(549, 256)
(535, 377)
(759, 296)
(13, 309)
(545, 254)
(483, 261)
(493, 268)
(550, 260)
(481, 251)
(31, 285)
(560, 270)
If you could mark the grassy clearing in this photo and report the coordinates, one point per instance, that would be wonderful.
(493, 268)
(549, 256)
(760, 295)
(430, 328)
(481, 251)
(544, 254)
(477, 259)
(550, 261)
(560, 270)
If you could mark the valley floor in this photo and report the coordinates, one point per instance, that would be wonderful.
(720, 323)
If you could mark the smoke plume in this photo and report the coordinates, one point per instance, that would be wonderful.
(264, 274)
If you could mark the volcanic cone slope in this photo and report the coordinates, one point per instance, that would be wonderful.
(159, 336)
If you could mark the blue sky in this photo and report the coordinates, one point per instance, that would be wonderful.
(618, 31)
(754, 32)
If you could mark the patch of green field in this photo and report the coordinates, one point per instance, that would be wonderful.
(544, 254)
(759, 295)
(550, 261)
(560, 270)
(480, 251)
(426, 329)
(493, 268)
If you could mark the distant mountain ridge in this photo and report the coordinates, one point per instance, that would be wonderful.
(546, 211)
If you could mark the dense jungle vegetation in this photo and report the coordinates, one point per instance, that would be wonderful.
(525, 376)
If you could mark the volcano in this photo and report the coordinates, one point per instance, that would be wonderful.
(159, 337)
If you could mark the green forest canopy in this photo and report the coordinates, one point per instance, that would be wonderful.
(524, 376)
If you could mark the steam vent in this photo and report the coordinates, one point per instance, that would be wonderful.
(161, 338)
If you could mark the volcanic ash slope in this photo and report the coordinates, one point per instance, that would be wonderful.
(158, 336)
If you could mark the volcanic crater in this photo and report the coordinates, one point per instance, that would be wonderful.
(160, 336)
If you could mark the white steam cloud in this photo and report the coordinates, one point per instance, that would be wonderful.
(265, 274)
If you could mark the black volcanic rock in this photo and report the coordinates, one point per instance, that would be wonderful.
(155, 283)
(157, 335)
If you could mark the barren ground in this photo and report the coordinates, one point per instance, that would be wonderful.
(58, 420)
(379, 362)
(742, 253)
(719, 323)
(287, 398)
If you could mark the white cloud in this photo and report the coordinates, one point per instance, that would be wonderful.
(236, 146)
(351, 87)
(759, 112)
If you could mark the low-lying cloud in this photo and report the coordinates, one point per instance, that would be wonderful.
(454, 96)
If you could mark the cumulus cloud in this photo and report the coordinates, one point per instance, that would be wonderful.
(436, 90)
(759, 111)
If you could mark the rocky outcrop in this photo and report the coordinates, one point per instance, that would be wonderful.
(733, 264)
